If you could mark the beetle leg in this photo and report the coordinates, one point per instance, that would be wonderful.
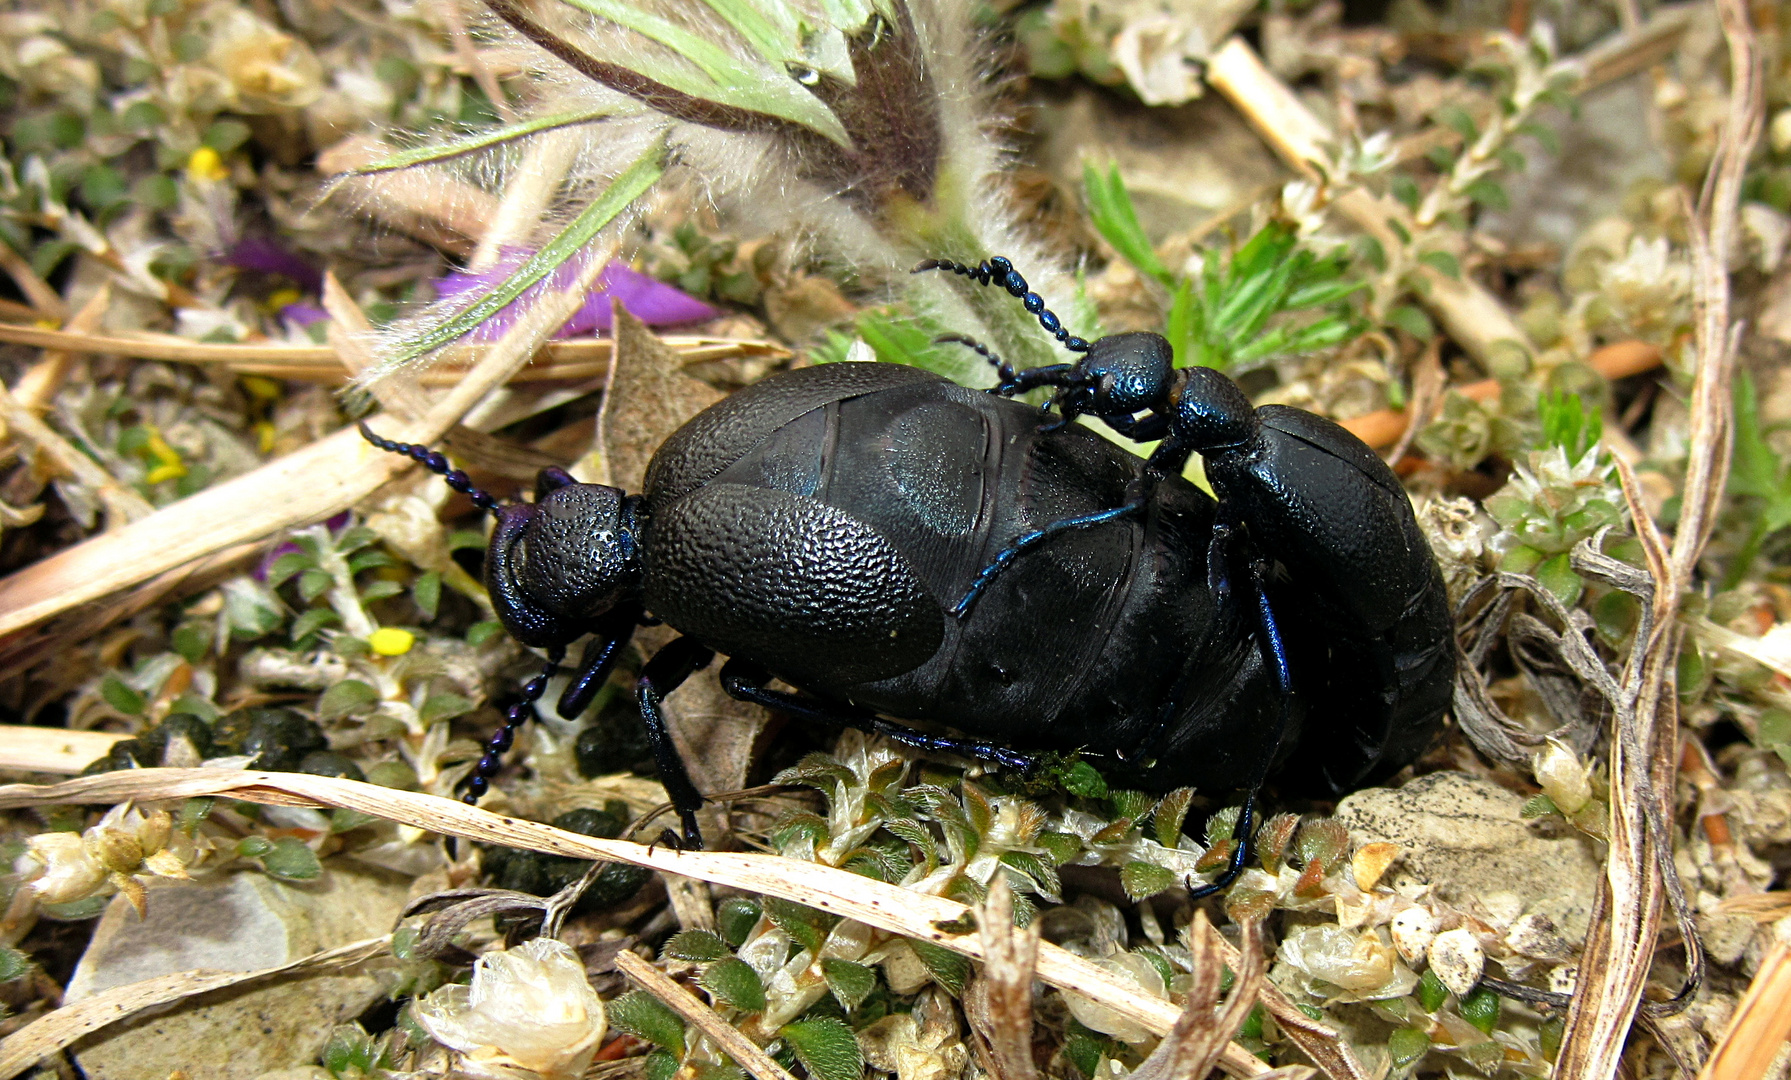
(746, 681)
(664, 673)
(1148, 428)
(612, 632)
(1028, 541)
(1245, 833)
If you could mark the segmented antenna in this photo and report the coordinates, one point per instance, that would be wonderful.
(435, 463)
(1003, 370)
(479, 782)
(997, 270)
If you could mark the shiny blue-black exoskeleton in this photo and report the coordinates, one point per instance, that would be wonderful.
(901, 548)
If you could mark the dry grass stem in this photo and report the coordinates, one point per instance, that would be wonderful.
(307, 485)
(40, 382)
(121, 503)
(1001, 1003)
(1639, 872)
(45, 301)
(1761, 1024)
(557, 361)
(52, 750)
(743, 1050)
(837, 892)
(1190, 1050)
(63, 1027)
(1325, 1045)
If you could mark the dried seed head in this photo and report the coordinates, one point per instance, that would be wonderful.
(1413, 930)
(1563, 777)
(1534, 936)
(1457, 959)
(69, 872)
(1371, 861)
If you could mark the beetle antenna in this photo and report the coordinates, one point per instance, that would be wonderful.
(435, 463)
(1003, 370)
(998, 270)
(515, 716)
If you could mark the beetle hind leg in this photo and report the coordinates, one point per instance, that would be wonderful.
(1027, 541)
(746, 682)
(664, 673)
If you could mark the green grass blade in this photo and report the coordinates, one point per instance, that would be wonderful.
(1110, 207)
(627, 187)
(485, 140)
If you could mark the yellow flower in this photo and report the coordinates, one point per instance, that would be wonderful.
(391, 641)
(205, 164)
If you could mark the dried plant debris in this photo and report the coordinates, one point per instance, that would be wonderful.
(1536, 251)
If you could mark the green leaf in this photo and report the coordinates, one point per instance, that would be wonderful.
(1405, 189)
(13, 964)
(1542, 133)
(314, 583)
(1407, 1045)
(426, 593)
(485, 140)
(1082, 779)
(368, 560)
(291, 860)
(312, 621)
(1111, 211)
(736, 916)
(1084, 1050)
(734, 981)
(1442, 262)
(122, 697)
(806, 926)
(695, 946)
(1488, 193)
(1040, 874)
(660, 1065)
(826, 1047)
(1431, 992)
(1538, 806)
(851, 983)
(1167, 818)
(481, 632)
(1481, 1008)
(192, 640)
(346, 698)
(1141, 879)
(443, 706)
(949, 969)
(630, 185)
(1456, 119)
(647, 1018)
(1412, 320)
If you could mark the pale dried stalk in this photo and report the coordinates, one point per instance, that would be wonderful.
(122, 505)
(1761, 1024)
(1471, 315)
(1643, 756)
(746, 1053)
(838, 892)
(556, 361)
(62, 1028)
(1010, 957)
(47, 302)
(41, 380)
(308, 485)
(53, 750)
(1325, 1045)
(1189, 1051)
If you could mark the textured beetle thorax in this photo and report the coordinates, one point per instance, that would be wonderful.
(577, 554)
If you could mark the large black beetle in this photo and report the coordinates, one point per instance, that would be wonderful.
(831, 526)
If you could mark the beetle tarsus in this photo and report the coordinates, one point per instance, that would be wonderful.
(479, 782)
(1245, 833)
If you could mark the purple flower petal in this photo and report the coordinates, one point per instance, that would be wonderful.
(271, 257)
(303, 313)
(650, 301)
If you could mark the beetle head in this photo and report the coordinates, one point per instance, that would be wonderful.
(555, 564)
(1121, 374)
(1209, 412)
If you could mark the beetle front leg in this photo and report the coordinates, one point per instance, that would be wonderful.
(746, 681)
(611, 634)
(664, 673)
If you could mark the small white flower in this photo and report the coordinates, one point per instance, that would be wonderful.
(68, 872)
(1563, 777)
(530, 1012)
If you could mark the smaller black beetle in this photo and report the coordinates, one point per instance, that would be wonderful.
(844, 528)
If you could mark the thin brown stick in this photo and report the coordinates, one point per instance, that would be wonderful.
(746, 1053)
(121, 503)
(1010, 958)
(1643, 754)
(1192, 1047)
(47, 302)
(1325, 1045)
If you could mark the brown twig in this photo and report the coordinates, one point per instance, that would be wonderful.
(1001, 1008)
(41, 380)
(1643, 753)
(1761, 1024)
(746, 1053)
(43, 299)
(1191, 1048)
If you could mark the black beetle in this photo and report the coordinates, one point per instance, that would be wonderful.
(843, 528)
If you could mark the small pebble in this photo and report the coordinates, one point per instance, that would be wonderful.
(1413, 930)
(1457, 959)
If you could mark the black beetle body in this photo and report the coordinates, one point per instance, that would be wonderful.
(895, 545)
